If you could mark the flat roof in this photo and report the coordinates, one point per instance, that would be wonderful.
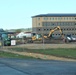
(54, 15)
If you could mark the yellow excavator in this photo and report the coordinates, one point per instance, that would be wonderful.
(39, 37)
(50, 39)
(51, 31)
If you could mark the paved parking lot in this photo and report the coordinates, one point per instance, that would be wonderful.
(36, 67)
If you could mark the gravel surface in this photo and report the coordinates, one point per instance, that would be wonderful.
(46, 46)
(42, 46)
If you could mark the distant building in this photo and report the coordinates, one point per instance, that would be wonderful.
(22, 34)
(10, 34)
(43, 23)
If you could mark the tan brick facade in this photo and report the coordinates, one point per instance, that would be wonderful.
(42, 24)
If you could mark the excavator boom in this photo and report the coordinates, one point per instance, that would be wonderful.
(56, 28)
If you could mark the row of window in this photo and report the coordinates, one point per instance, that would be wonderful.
(64, 34)
(62, 29)
(57, 23)
(58, 18)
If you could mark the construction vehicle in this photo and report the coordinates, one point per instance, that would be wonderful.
(53, 30)
(5, 40)
(49, 38)
(70, 38)
(37, 38)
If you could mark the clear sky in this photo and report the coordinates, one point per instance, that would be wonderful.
(16, 14)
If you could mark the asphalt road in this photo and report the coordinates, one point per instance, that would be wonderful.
(36, 67)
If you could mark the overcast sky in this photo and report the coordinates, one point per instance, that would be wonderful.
(16, 14)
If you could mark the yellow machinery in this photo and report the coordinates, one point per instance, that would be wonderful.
(41, 38)
(51, 31)
(37, 38)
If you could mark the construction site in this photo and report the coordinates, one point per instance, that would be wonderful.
(46, 29)
(45, 41)
(55, 47)
(37, 37)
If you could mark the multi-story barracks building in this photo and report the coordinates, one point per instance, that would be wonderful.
(43, 23)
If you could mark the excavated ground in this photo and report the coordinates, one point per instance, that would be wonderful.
(42, 46)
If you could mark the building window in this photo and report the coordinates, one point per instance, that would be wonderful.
(45, 18)
(75, 23)
(52, 18)
(59, 23)
(72, 18)
(69, 18)
(48, 23)
(65, 18)
(67, 23)
(61, 29)
(72, 23)
(72, 34)
(55, 18)
(38, 24)
(58, 18)
(62, 23)
(47, 29)
(38, 18)
(53, 23)
(39, 29)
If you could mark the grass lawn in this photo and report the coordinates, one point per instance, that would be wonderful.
(12, 55)
(61, 52)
